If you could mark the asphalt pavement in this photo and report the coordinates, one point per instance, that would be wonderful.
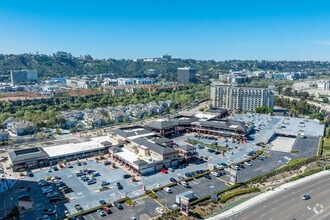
(285, 201)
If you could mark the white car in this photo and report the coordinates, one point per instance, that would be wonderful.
(185, 184)
(247, 163)
(160, 210)
(215, 173)
(168, 190)
(230, 161)
(287, 158)
(67, 213)
(156, 185)
(170, 169)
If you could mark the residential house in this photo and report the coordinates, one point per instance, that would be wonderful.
(21, 128)
(4, 135)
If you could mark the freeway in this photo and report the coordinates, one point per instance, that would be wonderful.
(290, 205)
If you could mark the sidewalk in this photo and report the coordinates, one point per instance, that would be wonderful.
(264, 196)
(8, 177)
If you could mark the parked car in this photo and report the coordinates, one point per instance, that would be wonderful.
(188, 174)
(214, 173)
(49, 211)
(181, 178)
(67, 213)
(69, 165)
(119, 186)
(107, 209)
(168, 190)
(221, 172)
(157, 185)
(126, 176)
(47, 190)
(160, 210)
(200, 146)
(170, 169)
(78, 208)
(247, 163)
(101, 212)
(80, 217)
(95, 174)
(45, 217)
(235, 167)
(67, 190)
(118, 206)
(185, 184)
(173, 180)
(106, 162)
(59, 184)
(223, 164)
(105, 183)
(102, 202)
(46, 183)
(230, 161)
(41, 181)
(90, 182)
(84, 178)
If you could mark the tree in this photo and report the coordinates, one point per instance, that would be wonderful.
(264, 110)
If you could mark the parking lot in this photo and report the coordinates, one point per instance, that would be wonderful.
(89, 196)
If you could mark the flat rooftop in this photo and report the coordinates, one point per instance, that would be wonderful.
(131, 157)
(283, 144)
(283, 125)
(73, 148)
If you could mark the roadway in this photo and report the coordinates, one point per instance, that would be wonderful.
(289, 205)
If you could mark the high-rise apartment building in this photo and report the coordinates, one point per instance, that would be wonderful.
(187, 75)
(240, 98)
(23, 76)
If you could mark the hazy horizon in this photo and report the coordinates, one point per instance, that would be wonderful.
(201, 30)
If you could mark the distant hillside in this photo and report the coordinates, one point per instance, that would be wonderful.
(62, 64)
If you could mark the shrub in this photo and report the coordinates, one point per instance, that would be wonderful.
(130, 202)
(238, 192)
(152, 195)
(307, 173)
(200, 200)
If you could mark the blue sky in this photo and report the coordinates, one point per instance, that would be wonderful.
(209, 29)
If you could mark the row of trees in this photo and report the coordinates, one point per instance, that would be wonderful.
(300, 107)
(47, 115)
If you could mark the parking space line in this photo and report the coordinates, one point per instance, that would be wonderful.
(140, 198)
(165, 208)
(227, 183)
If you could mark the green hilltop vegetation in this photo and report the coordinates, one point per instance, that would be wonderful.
(63, 64)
